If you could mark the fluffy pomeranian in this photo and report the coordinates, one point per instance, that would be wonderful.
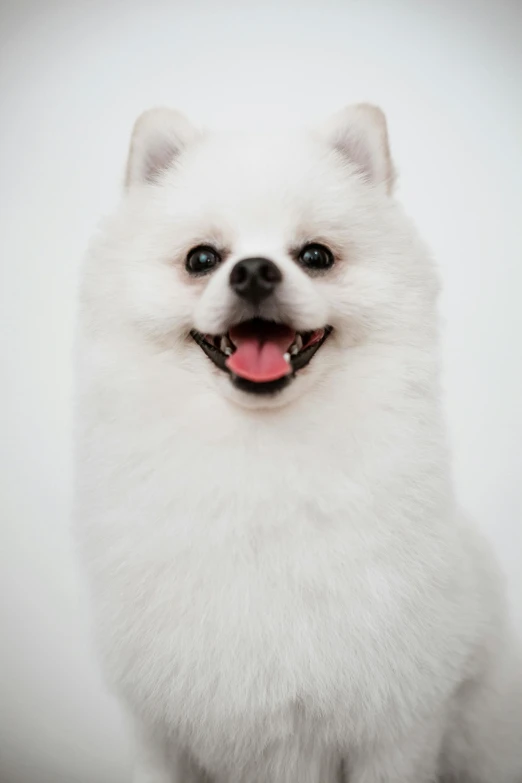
(284, 588)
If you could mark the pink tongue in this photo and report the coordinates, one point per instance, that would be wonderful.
(260, 349)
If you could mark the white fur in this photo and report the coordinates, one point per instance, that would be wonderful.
(283, 588)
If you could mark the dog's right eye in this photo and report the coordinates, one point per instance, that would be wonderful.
(201, 260)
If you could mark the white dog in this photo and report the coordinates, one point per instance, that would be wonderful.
(284, 588)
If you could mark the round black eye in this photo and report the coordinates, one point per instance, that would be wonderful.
(201, 260)
(316, 257)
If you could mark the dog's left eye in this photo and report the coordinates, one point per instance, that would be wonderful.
(202, 259)
(316, 257)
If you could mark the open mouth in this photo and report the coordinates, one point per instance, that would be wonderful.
(261, 356)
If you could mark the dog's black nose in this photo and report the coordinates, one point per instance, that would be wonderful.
(254, 279)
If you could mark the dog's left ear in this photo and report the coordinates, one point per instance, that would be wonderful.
(158, 138)
(360, 134)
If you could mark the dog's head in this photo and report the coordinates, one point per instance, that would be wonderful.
(259, 261)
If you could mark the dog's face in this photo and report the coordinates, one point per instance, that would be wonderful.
(258, 262)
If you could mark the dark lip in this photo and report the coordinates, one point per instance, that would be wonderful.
(218, 358)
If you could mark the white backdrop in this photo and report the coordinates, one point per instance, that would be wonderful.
(73, 77)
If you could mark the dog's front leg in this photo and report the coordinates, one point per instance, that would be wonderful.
(157, 762)
(415, 759)
(388, 771)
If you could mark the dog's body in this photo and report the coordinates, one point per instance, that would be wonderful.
(285, 591)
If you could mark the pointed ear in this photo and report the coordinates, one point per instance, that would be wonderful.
(159, 136)
(360, 134)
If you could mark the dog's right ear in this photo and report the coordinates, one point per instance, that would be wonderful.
(159, 136)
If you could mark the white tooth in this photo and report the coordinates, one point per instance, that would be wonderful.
(226, 346)
(296, 345)
(286, 357)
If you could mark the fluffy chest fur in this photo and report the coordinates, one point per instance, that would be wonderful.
(255, 575)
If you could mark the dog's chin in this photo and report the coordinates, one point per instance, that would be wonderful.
(295, 392)
(260, 363)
